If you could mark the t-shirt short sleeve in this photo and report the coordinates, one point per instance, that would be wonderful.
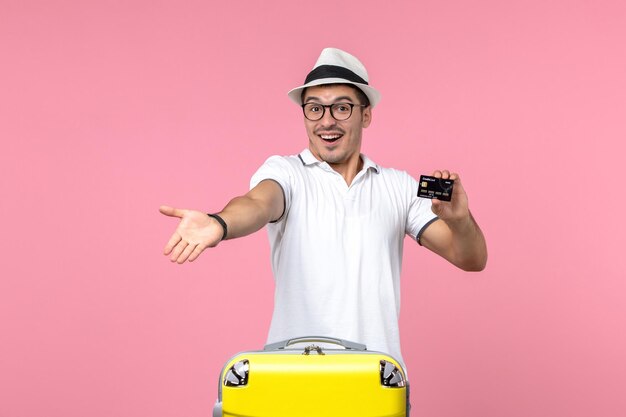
(420, 215)
(278, 169)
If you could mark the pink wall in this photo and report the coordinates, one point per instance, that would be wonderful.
(109, 110)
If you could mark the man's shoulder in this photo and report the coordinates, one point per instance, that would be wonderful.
(386, 171)
(394, 173)
(279, 166)
(283, 159)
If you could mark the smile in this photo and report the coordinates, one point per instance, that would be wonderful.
(330, 137)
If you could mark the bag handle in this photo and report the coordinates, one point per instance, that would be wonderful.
(323, 339)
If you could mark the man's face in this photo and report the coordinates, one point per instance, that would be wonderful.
(336, 142)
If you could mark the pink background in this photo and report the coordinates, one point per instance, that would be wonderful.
(108, 110)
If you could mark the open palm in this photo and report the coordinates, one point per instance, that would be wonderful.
(195, 232)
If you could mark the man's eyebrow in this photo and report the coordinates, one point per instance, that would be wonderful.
(317, 99)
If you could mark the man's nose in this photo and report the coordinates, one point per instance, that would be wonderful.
(328, 119)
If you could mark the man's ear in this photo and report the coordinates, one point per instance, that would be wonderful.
(366, 117)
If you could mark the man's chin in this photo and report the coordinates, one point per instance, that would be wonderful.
(330, 154)
(333, 159)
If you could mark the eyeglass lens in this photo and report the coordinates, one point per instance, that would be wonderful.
(339, 111)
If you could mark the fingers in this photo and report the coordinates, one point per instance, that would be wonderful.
(171, 211)
(176, 246)
(196, 252)
(188, 241)
(445, 174)
(438, 207)
(189, 253)
(185, 253)
(181, 251)
(178, 250)
(171, 244)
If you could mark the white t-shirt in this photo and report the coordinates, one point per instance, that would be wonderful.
(336, 251)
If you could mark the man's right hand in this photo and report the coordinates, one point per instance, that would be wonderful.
(195, 232)
(244, 215)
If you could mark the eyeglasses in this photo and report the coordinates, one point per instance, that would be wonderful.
(339, 111)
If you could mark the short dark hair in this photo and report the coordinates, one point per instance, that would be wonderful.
(360, 95)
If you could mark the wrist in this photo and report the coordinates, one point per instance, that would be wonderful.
(222, 223)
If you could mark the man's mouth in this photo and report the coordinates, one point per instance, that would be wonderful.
(330, 137)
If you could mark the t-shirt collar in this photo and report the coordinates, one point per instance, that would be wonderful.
(307, 158)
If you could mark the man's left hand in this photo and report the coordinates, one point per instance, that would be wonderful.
(457, 209)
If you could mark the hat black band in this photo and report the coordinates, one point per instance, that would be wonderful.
(333, 71)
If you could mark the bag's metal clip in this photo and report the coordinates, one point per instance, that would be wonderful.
(308, 349)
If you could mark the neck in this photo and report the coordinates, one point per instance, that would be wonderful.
(348, 170)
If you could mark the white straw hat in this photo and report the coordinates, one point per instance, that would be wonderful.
(335, 66)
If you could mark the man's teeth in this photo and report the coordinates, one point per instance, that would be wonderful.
(330, 137)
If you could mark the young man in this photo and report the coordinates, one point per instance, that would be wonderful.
(336, 220)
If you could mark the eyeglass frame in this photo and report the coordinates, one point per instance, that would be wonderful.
(330, 106)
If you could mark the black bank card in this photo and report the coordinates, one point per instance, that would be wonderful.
(431, 187)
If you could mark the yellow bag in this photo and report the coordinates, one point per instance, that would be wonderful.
(343, 381)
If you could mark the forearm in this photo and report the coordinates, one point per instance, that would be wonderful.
(248, 213)
(468, 249)
(244, 216)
